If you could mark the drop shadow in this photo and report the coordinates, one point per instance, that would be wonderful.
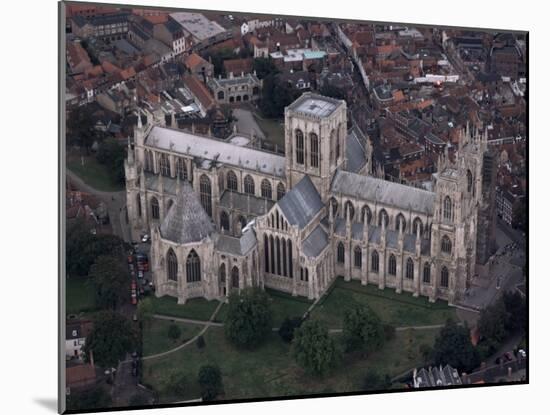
(48, 403)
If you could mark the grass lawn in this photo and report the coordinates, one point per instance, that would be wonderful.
(282, 305)
(155, 335)
(196, 308)
(285, 305)
(272, 129)
(395, 309)
(93, 173)
(79, 296)
(271, 371)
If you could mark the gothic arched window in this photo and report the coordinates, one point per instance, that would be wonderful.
(266, 253)
(340, 253)
(444, 277)
(409, 271)
(337, 149)
(280, 191)
(193, 267)
(181, 169)
(149, 163)
(155, 210)
(374, 261)
(447, 208)
(392, 265)
(334, 206)
(366, 214)
(470, 180)
(357, 258)
(222, 273)
(266, 189)
(446, 245)
(235, 277)
(138, 204)
(427, 273)
(383, 216)
(206, 194)
(164, 165)
(349, 209)
(314, 149)
(417, 224)
(299, 147)
(332, 144)
(224, 220)
(400, 219)
(172, 269)
(231, 181)
(249, 184)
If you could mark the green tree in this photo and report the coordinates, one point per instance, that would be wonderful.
(286, 331)
(248, 319)
(111, 338)
(210, 382)
(516, 310)
(111, 281)
(374, 381)
(276, 95)
(363, 329)
(492, 322)
(314, 349)
(83, 248)
(333, 91)
(174, 332)
(265, 67)
(112, 154)
(519, 215)
(453, 346)
(81, 128)
(95, 398)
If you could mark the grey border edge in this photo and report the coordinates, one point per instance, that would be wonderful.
(61, 395)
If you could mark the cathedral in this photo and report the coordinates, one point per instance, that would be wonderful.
(224, 214)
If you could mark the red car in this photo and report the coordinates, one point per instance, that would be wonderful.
(133, 287)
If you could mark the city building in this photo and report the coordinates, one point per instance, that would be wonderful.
(240, 88)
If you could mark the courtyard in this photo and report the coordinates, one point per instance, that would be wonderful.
(270, 370)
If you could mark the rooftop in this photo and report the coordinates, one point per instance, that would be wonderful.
(384, 192)
(315, 105)
(211, 149)
(301, 204)
(197, 24)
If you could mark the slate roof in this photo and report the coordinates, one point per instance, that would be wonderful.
(212, 149)
(237, 246)
(409, 240)
(245, 203)
(355, 152)
(186, 221)
(383, 192)
(314, 244)
(301, 204)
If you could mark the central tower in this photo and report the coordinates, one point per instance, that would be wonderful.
(315, 140)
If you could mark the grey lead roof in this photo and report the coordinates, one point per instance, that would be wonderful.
(237, 246)
(316, 241)
(383, 192)
(315, 105)
(211, 149)
(301, 204)
(409, 240)
(186, 221)
(355, 152)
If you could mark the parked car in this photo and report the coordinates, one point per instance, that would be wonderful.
(145, 238)
(522, 353)
(140, 274)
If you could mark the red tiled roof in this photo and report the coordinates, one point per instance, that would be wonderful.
(194, 60)
(199, 90)
(238, 65)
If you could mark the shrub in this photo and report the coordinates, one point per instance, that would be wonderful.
(174, 332)
(286, 331)
(210, 382)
